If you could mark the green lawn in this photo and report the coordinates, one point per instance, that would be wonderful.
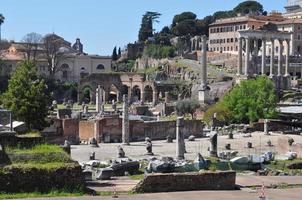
(282, 166)
(38, 149)
(53, 193)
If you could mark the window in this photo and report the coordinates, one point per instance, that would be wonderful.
(299, 37)
(231, 48)
(253, 27)
(100, 67)
(244, 26)
(232, 39)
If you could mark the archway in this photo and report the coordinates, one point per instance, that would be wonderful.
(148, 93)
(113, 93)
(136, 94)
(124, 91)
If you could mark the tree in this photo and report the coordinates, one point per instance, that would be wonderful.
(119, 52)
(31, 43)
(223, 113)
(27, 96)
(114, 54)
(182, 17)
(247, 7)
(187, 106)
(53, 51)
(184, 24)
(252, 100)
(146, 30)
(2, 18)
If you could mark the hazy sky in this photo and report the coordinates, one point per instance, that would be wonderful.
(102, 24)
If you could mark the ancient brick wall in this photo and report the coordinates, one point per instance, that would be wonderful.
(187, 182)
(160, 130)
(70, 128)
(86, 130)
(110, 129)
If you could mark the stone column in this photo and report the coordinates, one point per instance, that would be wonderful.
(263, 60)
(213, 147)
(98, 99)
(287, 58)
(247, 56)
(280, 57)
(142, 96)
(129, 94)
(180, 142)
(272, 58)
(154, 97)
(11, 121)
(167, 98)
(255, 57)
(204, 62)
(239, 70)
(203, 91)
(125, 123)
(265, 127)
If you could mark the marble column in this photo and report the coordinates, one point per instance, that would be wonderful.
(272, 58)
(167, 98)
(239, 70)
(203, 91)
(255, 57)
(287, 58)
(154, 97)
(280, 57)
(263, 60)
(247, 56)
(125, 122)
(180, 141)
(99, 99)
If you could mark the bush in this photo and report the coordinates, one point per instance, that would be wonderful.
(223, 113)
(187, 106)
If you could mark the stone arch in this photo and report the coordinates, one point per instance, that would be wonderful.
(113, 93)
(124, 90)
(136, 93)
(87, 94)
(148, 90)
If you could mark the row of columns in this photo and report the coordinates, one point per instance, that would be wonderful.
(196, 43)
(248, 42)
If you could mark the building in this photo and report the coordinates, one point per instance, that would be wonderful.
(72, 64)
(224, 33)
(293, 6)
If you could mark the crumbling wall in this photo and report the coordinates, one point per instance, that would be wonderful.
(187, 182)
(70, 129)
(86, 130)
(159, 130)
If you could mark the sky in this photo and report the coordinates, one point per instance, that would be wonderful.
(102, 24)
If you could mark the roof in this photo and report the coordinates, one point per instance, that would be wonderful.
(290, 21)
(274, 17)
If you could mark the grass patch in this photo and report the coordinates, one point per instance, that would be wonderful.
(31, 134)
(281, 165)
(54, 193)
(46, 166)
(38, 149)
(137, 177)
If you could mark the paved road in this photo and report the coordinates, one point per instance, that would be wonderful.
(286, 194)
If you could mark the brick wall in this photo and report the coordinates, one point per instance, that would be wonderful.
(110, 129)
(86, 130)
(187, 182)
(70, 128)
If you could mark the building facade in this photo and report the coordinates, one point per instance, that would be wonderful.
(71, 66)
(224, 33)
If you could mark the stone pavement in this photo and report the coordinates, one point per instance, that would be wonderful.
(137, 150)
(249, 181)
(119, 184)
(271, 194)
